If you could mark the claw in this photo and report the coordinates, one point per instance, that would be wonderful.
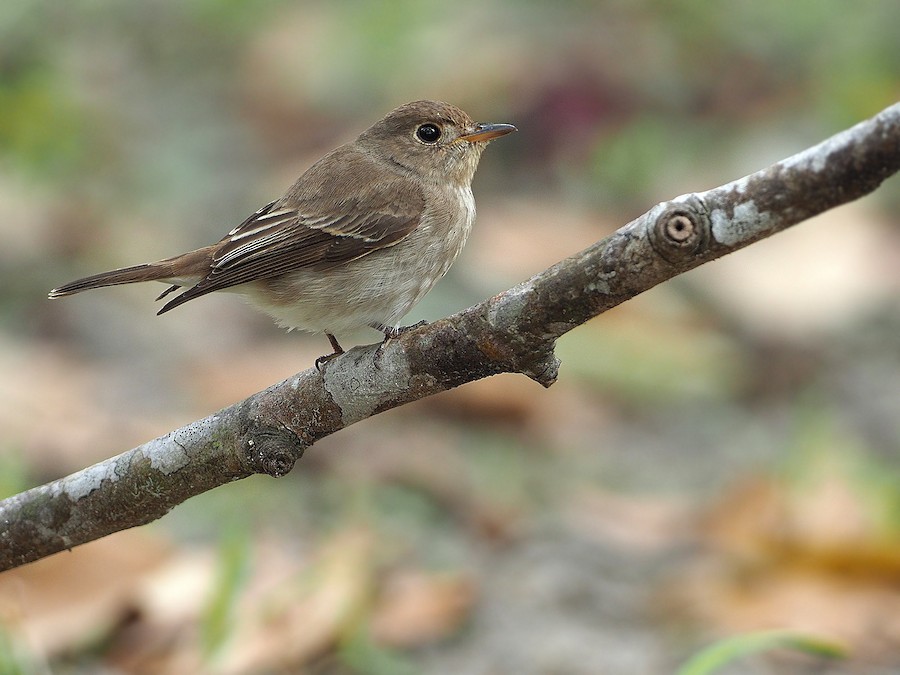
(338, 350)
(391, 333)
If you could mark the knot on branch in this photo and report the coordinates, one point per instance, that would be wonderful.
(272, 451)
(544, 370)
(680, 232)
(515, 348)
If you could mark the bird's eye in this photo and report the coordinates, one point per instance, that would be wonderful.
(428, 133)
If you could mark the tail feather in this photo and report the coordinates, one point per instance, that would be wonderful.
(126, 275)
(177, 270)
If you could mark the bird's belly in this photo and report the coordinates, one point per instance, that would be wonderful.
(378, 288)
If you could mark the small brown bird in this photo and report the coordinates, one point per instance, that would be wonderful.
(358, 240)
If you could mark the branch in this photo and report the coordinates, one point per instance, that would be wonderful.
(514, 331)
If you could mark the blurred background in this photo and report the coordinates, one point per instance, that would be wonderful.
(720, 455)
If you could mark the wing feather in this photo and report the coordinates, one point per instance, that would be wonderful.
(334, 214)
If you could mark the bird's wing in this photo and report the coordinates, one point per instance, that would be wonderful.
(326, 219)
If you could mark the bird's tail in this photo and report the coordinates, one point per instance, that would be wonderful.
(179, 270)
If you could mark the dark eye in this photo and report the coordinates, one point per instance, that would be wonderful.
(428, 133)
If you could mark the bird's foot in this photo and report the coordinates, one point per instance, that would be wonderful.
(338, 350)
(392, 333)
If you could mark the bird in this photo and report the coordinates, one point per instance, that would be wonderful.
(356, 241)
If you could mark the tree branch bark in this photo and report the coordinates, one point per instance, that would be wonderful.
(514, 331)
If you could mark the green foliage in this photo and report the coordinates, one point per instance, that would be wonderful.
(237, 17)
(821, 446)
(234, 566)
(14, 660)
(635, 366)
(41, 129)
(365, 657)
(630, 163)
(719, 654)
(13, 474)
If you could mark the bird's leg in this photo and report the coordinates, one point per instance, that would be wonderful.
(391, 333)
(338, 350)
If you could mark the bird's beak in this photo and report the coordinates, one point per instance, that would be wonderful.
(487, 132)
